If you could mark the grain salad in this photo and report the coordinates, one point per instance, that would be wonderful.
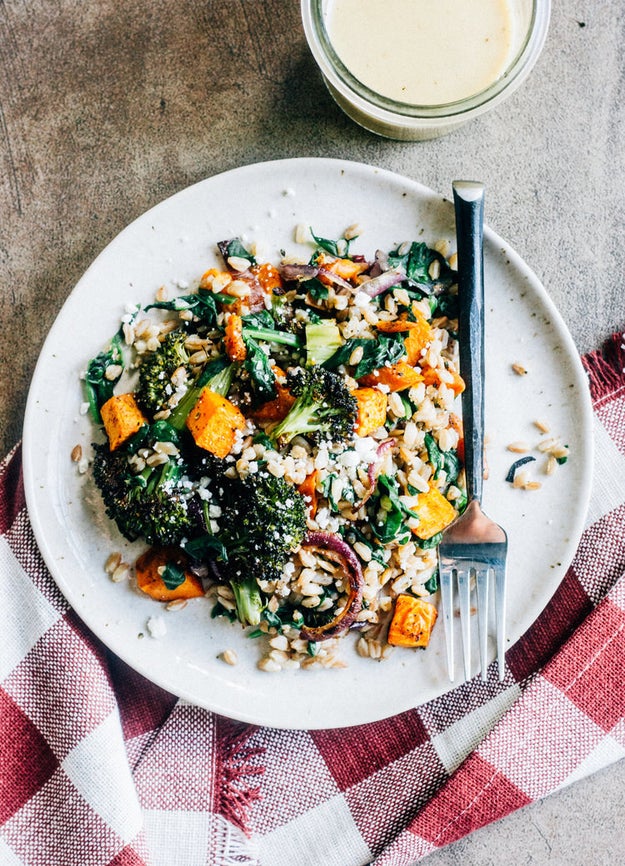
(283, 438)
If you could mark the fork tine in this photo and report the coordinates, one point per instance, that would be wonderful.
(500, 618)
(464, 598)
(482, 581)
(447, 605)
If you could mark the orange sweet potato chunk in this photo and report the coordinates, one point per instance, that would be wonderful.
(419, 334)
(346, 269)
(412, 623)
(308, 489)
(435, 513)
(213, 423)
(371, 410)
(149, 569)
(122, 418)
(419, 338)
(397, 377)
(234, 345)
(432, 376)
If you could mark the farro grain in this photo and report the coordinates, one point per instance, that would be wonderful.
(230, 657)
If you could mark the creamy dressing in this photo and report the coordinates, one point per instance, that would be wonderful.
(424, 52)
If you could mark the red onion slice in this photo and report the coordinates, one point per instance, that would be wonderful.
(298, 273)
(335, 548)
(386, 280)
(374, 470)
(336, 280)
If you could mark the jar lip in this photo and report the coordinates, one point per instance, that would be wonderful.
(335, 71)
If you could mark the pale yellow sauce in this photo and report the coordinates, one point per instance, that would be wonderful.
(424, 52)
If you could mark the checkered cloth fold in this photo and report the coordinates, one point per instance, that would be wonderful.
(98, 767)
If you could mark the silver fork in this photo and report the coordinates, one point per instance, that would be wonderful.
(473, 549)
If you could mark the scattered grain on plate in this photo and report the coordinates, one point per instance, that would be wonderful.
(352, 232)
(121, 573)
(301, 234)
(550, 466)
(112, 562)
(76, 453)
(518, 447)
(269, 665)
(230, 657)
(542, 426)
(176, 604)
(519, 369)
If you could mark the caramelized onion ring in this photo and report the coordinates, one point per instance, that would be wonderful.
(333, 547)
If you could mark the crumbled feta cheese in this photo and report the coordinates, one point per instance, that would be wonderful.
(156, 627)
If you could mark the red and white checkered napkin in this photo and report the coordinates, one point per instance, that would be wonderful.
(100, 768)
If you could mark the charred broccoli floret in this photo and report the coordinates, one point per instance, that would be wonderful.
(151, 504)
(157, 368)
(263, 520)
(324, 408)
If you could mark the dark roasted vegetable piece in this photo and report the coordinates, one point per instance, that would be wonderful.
(151, 504)
(157, 368)
(263, 520)
(324, 408)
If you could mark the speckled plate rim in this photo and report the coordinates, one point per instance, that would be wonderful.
(172, 244)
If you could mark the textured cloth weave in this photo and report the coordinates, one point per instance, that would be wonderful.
(98, 767)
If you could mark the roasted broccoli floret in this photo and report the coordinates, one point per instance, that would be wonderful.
(263, 520)
(152, 503)
(324, 408)
(157, 368)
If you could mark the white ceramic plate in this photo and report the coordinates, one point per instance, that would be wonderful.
(172, 245)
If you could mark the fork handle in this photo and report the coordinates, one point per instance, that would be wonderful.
(469, 210)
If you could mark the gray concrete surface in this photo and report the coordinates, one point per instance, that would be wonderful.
(108, 107)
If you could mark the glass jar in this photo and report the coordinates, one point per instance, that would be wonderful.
(407, 121)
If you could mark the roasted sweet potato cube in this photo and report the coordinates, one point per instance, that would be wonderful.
(276, 409)
(161, 584)
(435, 513)
(371, 410)
(234, 344)
(213, 423)
(346, 269)
(122, 418)
(412, 623)
(397, 377)
(308, 489)
(419, 338)
(419, 334)
(451, 378)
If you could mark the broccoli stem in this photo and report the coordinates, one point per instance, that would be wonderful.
(248, 601)
(270, 336)
(300, 421)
